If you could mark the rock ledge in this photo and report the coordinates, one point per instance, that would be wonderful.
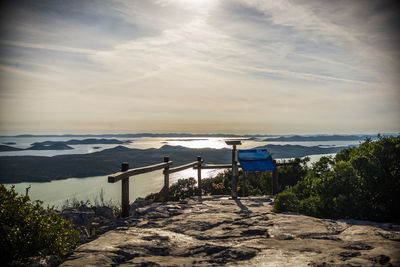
(216, 230)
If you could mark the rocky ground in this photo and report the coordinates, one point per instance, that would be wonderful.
(90, 222)
(245, 232)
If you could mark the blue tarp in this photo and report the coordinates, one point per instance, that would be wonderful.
(256, 160)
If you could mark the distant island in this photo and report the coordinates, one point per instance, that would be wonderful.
(56, 146)
(9, 148)
(64, 145)
(9, 143)
(89, 141)
(300, 138)
(16, 169)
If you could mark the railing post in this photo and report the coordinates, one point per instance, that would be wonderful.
(275, 181)
(199, 175)
(244, 185)
(166, 179)
(234, 193)
(125, 191)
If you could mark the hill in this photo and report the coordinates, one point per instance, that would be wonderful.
(15, 169)
(300, 138)
(9, 148)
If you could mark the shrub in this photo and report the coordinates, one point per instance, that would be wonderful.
(289, 175)
(27, 229)
(286, 201)
(311, 206)
(218, 185)
(257, 183)
(361, 183)
(184, 188)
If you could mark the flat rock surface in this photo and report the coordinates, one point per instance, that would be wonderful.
(216, 230)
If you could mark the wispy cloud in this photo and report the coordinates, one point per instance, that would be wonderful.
(234, 66)
(56, 48)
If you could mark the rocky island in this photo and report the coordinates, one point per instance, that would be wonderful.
(217, 230)
(89, 141)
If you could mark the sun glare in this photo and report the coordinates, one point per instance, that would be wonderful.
(198, 142)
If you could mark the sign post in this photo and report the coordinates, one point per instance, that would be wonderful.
(259, 160)
(235, 170)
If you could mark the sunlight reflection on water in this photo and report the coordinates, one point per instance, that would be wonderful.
(198, 142)
(58, 191)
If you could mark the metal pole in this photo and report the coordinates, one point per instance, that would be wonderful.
(166, 180)
(234, 173)
(199, 175)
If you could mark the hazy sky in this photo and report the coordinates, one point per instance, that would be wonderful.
(201, 66)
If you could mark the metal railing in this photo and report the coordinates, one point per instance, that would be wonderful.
(126, 173)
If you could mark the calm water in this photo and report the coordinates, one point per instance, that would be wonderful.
(56, 192)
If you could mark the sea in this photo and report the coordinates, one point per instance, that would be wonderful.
(95, 189)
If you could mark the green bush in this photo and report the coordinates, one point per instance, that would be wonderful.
(218, 185)
(360, 182)
(184, 188)
(289, 175)
(310, 206)
(27, 229)
(286, 201)
(257, 183)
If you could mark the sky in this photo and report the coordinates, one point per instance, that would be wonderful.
(199, 66)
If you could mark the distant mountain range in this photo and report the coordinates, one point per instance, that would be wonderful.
(184, 135)
(138, 135)
(302, 138)
(297, 151)
(15, 169)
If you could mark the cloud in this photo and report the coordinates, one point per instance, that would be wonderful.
(242, 64)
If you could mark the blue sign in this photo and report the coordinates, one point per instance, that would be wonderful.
(256, 160)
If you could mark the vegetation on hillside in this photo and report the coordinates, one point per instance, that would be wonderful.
(256, 183)
(361, 183)
(27, 229)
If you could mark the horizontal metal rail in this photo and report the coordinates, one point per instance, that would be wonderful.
(183, 167)
(123, 175)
